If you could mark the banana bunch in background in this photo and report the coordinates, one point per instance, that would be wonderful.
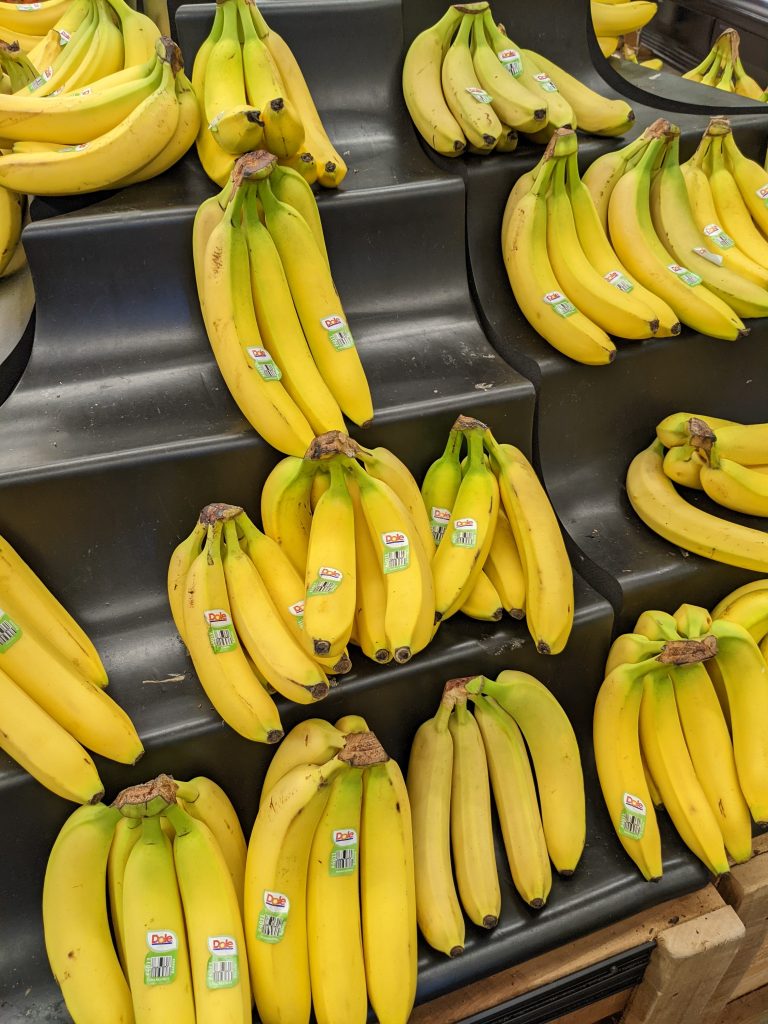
(613, 19)
(273, 316)
(467, 85)
(630, 53)
(109, 105)
(679, 722)
(330, 905)
(254, 96)
(724, 459)
(52, 690)
(496, 541)
(722, 68)
(455, 759)
(165, 864)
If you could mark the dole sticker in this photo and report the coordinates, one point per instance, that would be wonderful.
(479, 94)
(339, 333)
(439, 519)
(343, 859)
(10, 631)
(297, 610)
(705, 254)
(221, 631)
(397, 551)
(718, 236)
(560, 304)
(327, 581)
(270, 926)
(464, 534)
(511, 60)
(633, 817)
(265, 365)
(223, 969)
(545, 82)
(685, 275)
(762, 193)
(618, 280)
(160, 961)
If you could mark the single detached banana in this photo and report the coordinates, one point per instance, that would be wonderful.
(75, 918)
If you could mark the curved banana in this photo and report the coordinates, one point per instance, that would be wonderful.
(285, 508)
(745, 443)
(441, 485)
(423, 91)
(514, 104)
(127, 834)
(469, 103)
(621, 19)
(371, 602)
(748, 609)
(482, 602)
(631, 648)
(603, 174)
(216, 163)
(734, 486)
(105, 55)
(180, 564)
(313, 741)
(383, 465)
(75, 918)
(683, 466)
(291, 188)
(676, 430)
(751, 179)
(139, 32)
(594, 113)
(732, 211)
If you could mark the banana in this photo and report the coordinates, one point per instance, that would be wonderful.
(105, 54)
(676, 430)
(336, 965)
(631, 648)
(285, 508)
(749, 610)
(742, 675)
(536, 289)
(751, 179)
(53, 77)
(515, 796)
(383, 465)
(745, 443)
(554, 750)
(42, 747)
(711, 752)
(655, 500)
(140, 34)
(720, 610)
(313, 741)
(11, 212)
(181, 562)
(732, 211)
(734, 486)
(441, 485)
(504, 568)
(208, 215)
(464, 547)
(620, 766)
(228, 680)
(59, 35)
(25, 598)
(693, 621)
(330, 573)
(216, 163)
(608, 45)
(156, 947)
(127, 834)
(281, 330)
(602, 175)
(640, 249)
(304, 164)
(214, 923)
(683, 466)
(75, 919)
(549, 599)
(613, 309)
(224, 82)
(430, 771)
(283, 130)
(676, 228)
(291, 188)
(423, 91)
(621, 19)
(744, 84)
(237, 129)
(317, 304)
(594, 113)
(407, 581)
(388, 893)
(250, 373)
(35, 19)
(275, 892)
(371, 600)
(474, 857)
(482, 602)
(513, 103)
(330, 166)
(469, 103)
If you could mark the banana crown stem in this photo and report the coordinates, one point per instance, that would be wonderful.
(361, 750)
(146, 799)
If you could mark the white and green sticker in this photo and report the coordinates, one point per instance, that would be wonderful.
(711, 257)
(397, 551)
(438, 520)
(41, 79)
(618, 280)
(160, 960)
(297, 611)
(273, 918)
(343, 859)
(633, 817)
(560, 304)
(221, 631)
(327, 581)
(479, 94)
(545, 82)
(464, 534)
(716, 234)
(685, 275)
(511, 60)
(10, 631)
(223, 970)
(265, 365)
(339, 333)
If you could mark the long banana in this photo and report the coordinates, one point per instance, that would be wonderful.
(734, 486)
(594, 113)
(512, 102)
(469, 103)
(370, 631)
(285, 509)
(423, 91)
(127, 834)
(732, 211)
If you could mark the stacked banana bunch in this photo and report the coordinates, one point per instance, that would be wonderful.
(254, 96)
(496, 541)
(52, 698)
(448, 784)
(273, 315)
(724, 459)
(466, 84)
(330, 906)
(109, 104)
(166, 864)
(723, 69)
(680, 722)
(613, 19)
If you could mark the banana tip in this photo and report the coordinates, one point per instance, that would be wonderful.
(321, 647)
(402, 654)
(318, 691)
(490, 921)
(275, 735)
(456, 951)
(543, 647)
(382, 656)
(517, 613)
(537, 904)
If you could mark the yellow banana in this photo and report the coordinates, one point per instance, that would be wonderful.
(751, 179)
(180, 564)
(208, 215)
(692, 621)
(371, 601)
(140, 34)
(216, 163)
(441, 485)
(748, 609)
(732, 211)
(734, 486)
(745, 443)
(683, 466)
(603, 174)
(621, 19)
(105, 55)
(58, 36)
(675, 429)
(285, 508)
(224, 82)
(291, 188)
(504, 568)
(423, 90)
(594, 113)
(53, 77)
(385, 466)
(313, 741)
(482, 602)
(513, 103)
(469, 103)
(127, 834)
(644, 643)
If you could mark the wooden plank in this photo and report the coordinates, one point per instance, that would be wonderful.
(685, 969)
(746, 890)
(749, 1009)
(597, 1012)
(617, 938)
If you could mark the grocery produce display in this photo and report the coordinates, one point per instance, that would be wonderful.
(254, 96)
(722, 68)
(612, 20)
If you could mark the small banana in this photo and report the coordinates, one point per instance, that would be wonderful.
(441, 485)
(313, 741)
(482, 602)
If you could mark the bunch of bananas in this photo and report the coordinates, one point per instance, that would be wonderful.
(273, 315)
(613, 19)
(52, 696)
(466, 83)
(171, 857)
(722, 68)
(747, 606)
(330, 905)
(492, 555)
(448, 784)
(17, 69)
(254, 96)
(727, 460)
(109, 106)
(679, 721)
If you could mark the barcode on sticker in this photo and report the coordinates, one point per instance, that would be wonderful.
(271, 927)
(560, 304)
(223, 972)
(464, 534)
(160, 961)
(633, 817)
(328, 579)
(632, 825)
(479, 94)
(397, 551)
(511, 60)
(160, 966)
(28, 7)
(223, 964)
(322, 587)
(10, 631)
(545, 82)
(265, 365)
(685, 275)
(705, 254)
(221, 631)
(339, 333)
(64, 36)
(716, 234)
(618, 280)
(41, 79)
(343, 862)
(439, 519)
